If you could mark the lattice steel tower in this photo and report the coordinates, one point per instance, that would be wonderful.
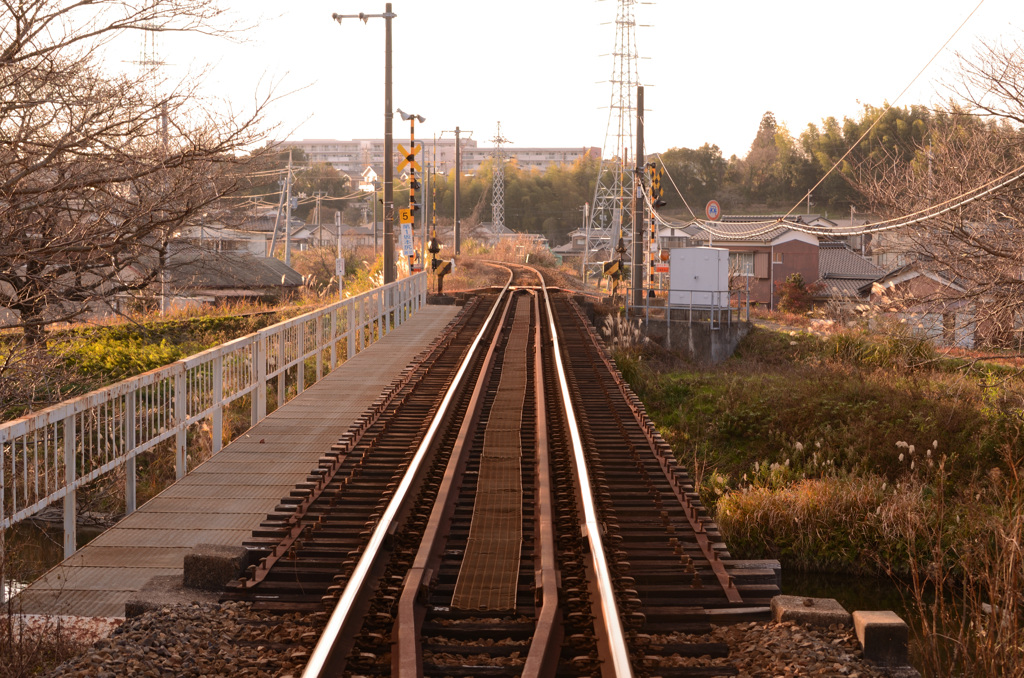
(610, 213)
(498, 188)
(150, 67)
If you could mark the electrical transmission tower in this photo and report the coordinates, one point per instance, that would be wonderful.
(498, 188)
(150, 65)
(610, 216)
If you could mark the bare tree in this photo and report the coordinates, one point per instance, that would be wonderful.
(974, 254)
(96, 171)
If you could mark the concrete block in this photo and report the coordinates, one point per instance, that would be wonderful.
(821, 612)
(883, 635)
(162, 591)
(210, 566)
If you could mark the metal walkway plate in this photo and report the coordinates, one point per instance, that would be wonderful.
(489, 575)
(222, 500)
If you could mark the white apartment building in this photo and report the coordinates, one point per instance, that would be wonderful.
(353, 157)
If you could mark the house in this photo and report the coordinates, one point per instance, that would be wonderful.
(572, 251)
(762, 251)
(196, 276)
(844, 276)
(217, 236)
(930, 302)
(368, 180)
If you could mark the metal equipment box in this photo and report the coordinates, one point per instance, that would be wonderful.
(699, 277)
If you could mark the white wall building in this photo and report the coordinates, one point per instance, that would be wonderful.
(353, 157)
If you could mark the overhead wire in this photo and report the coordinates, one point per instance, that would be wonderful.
(889, 106)
(916, 217)
(758, 228)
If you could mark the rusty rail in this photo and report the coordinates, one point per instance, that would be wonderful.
(340, 617)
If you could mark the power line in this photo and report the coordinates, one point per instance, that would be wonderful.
(924, 214)
(889, 106)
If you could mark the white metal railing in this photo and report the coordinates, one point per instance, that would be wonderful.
(715, 307)
(47, 456)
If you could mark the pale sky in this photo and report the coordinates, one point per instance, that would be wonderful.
(710, 69)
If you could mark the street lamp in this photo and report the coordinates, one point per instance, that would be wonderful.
(389, 172)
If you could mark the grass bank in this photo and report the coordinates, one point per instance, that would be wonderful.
(864, 454)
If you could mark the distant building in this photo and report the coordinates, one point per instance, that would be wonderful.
(844, 275)
(356, 156)
(762, 255)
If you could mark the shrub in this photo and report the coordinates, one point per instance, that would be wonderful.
(794, 294)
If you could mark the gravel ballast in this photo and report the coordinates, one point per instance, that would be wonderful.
(230, 639)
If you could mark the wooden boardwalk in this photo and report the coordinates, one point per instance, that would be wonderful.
(225, 498)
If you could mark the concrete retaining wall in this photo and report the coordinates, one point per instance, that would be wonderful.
(696, 340)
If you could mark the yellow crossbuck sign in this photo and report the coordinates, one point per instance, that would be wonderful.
(410, 157)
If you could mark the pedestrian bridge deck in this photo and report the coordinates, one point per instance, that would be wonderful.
(226, 497)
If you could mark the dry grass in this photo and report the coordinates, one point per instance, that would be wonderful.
(25, 653)
(958, 548)
(858, 453)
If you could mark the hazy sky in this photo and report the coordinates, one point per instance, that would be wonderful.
(711, 69)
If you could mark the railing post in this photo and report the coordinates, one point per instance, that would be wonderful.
(334, 339)
(281, 371)
(70, 531)
(363, 321)
(318, 346)
(180, 416)
(129, 466)
(217, 423)
(300, 355)
(259, 368)
(351, 329)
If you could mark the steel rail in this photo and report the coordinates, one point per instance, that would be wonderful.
(617, 646)
(407, 651)
(547, 636)
(692, 517)
(347, 601)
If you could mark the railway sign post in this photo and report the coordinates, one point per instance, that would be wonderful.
(409, 157)
(713, 210)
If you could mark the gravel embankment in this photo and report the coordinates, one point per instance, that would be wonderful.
(231, 640)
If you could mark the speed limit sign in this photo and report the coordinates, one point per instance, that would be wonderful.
(713, 210)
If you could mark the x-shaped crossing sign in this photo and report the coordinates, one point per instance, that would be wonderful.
(410, 157)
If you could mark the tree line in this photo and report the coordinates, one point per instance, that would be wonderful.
(776, 173)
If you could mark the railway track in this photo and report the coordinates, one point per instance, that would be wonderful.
(506, 508)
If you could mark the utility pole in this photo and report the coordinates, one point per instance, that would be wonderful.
(319, 224)
(636, 267)
(288, 215)
(389, 167)
(277, 220)
(389, 170)
(427, 208)
(458, 176)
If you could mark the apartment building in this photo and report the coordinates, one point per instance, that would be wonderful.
(354, 156)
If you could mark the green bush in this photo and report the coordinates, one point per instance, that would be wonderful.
(118, 358)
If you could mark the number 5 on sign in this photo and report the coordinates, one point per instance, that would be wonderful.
(405, 216)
